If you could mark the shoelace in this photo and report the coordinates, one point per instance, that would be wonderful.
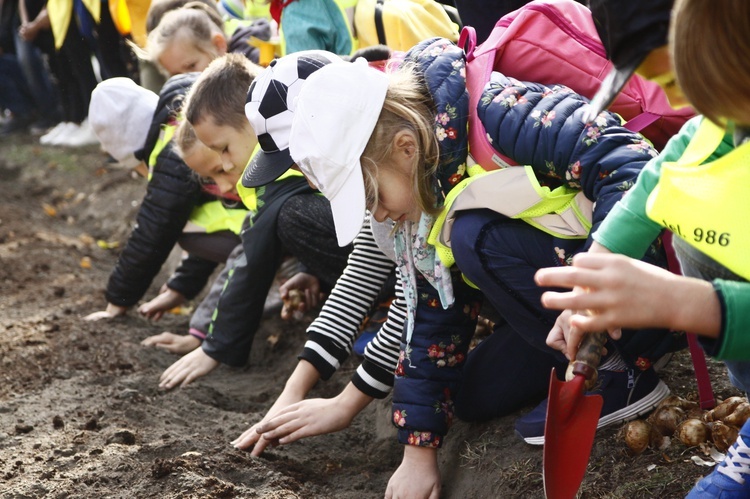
(737, 462)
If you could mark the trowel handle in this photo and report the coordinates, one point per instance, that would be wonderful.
(588, 357)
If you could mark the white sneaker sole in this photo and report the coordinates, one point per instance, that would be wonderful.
(632, 411)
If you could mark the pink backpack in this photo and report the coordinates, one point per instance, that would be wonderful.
(556, 42)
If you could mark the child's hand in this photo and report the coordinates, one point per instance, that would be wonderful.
(167, 299)
(298, 385)
(418, 476)
(173, 343)
(111, 312)
(309, 286)
(306, 419)
(186, 370)
(619, 292)
(253, 436)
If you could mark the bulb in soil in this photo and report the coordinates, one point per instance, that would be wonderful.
(666, 419)
(292, 303)
(723, 435)
(739, 416)
(724, 409)
(677, 401)
(692, 432)
(639, 434)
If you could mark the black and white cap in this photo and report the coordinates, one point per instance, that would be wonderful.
(270, 107)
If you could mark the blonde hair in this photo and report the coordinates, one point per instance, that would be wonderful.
(220, 92)
(408, 107)
(194, 20)
(710, 46)
(184, 140)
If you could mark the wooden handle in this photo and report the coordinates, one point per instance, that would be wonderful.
(588, 357)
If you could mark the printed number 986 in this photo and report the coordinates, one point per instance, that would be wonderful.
(710, 237)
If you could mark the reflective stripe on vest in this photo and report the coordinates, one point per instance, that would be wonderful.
(347, 8)
(705, 204)
(165, 135)
(213, 216)
(514, 192)
(250, 195)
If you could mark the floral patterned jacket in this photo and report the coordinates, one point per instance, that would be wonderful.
(533, 125)
(542, 127)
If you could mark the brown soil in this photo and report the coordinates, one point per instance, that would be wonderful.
(81, 414)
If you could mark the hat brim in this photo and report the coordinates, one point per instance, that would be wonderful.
(265, 167)
(611, 86)
(348, 207)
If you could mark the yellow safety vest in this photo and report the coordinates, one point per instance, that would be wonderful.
(60, 13)
(209, 217)
(250, 195)
(705, 204)
(514, 192)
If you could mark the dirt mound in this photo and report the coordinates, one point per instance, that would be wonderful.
(81, 414)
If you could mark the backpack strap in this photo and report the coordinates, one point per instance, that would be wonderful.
(702, 379)
(642, 121)
(379, 27)
(467, 41)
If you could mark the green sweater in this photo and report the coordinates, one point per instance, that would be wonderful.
(628, 230)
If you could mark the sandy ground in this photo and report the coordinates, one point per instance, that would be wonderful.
(81, 414)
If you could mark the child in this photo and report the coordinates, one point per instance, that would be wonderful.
(290, 216)
(713, 297)
(188, 38)
(174, 197)
(332, 334)
(399, 152)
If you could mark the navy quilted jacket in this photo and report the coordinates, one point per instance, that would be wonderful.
(533, 125)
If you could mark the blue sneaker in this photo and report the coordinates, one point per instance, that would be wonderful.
(728, 480)
(627, 395)
(371, 327)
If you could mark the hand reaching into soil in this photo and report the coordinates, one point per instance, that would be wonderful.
(309, 286)
(186, 370)
(418, 476)
(110, 312)
(297, 387)
(173, 343)
(306, 419)
(167, 299)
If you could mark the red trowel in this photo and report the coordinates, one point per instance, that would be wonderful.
(571, 422)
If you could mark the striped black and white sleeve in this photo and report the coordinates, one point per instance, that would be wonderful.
(332, 333)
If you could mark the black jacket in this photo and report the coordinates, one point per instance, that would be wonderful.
(171, 195)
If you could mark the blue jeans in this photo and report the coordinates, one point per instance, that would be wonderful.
(14, 94)
(511, 369)
(695, 264)
(39, 83)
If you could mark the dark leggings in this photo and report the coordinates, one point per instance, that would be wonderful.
(75, 75)
(511, 368)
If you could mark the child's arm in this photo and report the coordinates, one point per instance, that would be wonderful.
(171, 195)
(621, 292)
